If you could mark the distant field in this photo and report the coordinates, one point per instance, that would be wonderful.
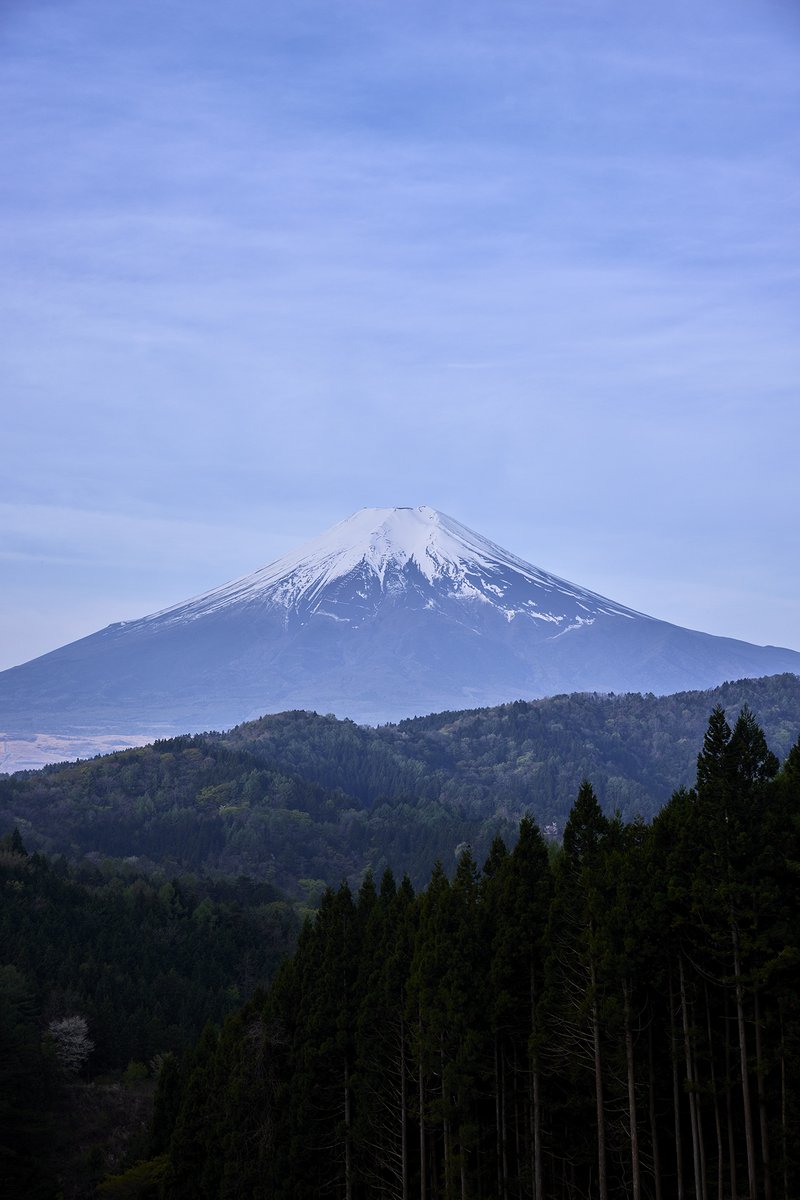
(30, 753)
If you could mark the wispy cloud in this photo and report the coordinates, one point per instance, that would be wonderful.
(279, 261)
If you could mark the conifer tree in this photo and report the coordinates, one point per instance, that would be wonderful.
(427, 1019)
(575, 964)
(192, 1150)
(519, 894)
(383, 1081)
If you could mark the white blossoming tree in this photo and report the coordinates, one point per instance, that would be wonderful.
(71, 1043)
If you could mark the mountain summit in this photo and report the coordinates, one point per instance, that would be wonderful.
(413, 556)
(392, 612)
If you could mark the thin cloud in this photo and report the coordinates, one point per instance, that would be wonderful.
(288, 257)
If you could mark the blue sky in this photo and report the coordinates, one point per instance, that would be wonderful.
(535, 264)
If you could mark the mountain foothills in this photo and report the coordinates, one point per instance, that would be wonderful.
(617, 1016)
(302, 801)
(392, 613)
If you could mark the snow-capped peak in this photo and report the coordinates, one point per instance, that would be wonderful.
(391, 551)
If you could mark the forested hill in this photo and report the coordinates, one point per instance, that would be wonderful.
(304, 801)
(620, 1019)
(529, 755)
(194, 805)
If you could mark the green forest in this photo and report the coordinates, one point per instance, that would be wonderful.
(143, 961)
(618, 1018)
(611, 1012)
(302, 801)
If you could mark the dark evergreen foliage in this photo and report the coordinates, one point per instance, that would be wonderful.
(617, 1016)
(144, 961)
(618, 1020)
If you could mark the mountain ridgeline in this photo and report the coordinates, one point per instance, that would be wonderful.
(301, 800)
(618, 1019)
(390, 614)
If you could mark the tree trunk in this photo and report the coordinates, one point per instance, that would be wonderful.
(602, 1172)
(634, 1129)
(503, 1126)
(403, 1110)
(729, 1107)
(422, 1146)
(762, 1099)
(538, 1193)
(498, 1118)
(652, 1113)
(717, 1119)
(748, 1116)
(446, 1150)
(538, 1186)
(784, 1139)
(693, 1121)
(348, 1147)
(676, 1094)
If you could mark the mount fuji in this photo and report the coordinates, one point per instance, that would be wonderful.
(393, 612)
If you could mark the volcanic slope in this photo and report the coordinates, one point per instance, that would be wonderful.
(393, 612)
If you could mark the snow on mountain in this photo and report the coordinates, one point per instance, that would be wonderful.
(401, 549)
(393, 612)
